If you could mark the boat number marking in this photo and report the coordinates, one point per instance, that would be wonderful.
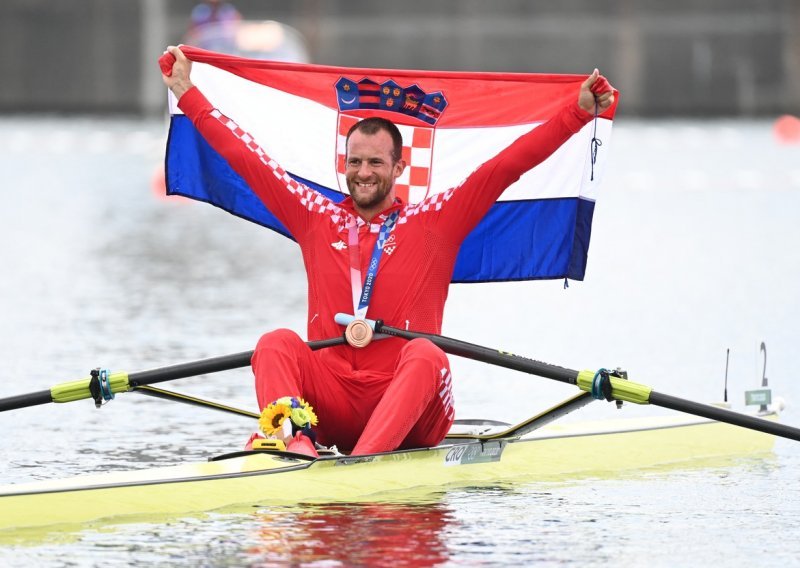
(354, 460)
(455, 454)
(474, 453)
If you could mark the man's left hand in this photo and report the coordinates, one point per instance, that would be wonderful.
(596, 89)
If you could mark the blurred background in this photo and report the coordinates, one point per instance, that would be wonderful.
(679, 58)
(693, 262)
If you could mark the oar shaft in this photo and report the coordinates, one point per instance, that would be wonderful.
(211, 365)
(487, 355)
(25, 400)
(191, 369)
(123, 382)
(724, 415)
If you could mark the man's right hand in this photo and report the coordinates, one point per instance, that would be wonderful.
(176, 76)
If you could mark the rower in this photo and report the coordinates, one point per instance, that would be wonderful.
(377, 254)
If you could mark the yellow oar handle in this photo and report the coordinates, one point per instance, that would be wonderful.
(78, 390)
(621, 389)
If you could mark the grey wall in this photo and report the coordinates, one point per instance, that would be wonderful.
(64, 55)
(668, 58)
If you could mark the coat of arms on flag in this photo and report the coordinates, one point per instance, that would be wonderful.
(415, 113)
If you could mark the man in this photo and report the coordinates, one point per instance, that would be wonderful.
(374, 253)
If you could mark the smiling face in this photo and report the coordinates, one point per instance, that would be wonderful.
(371, 171)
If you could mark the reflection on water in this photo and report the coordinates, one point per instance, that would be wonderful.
(369, 534)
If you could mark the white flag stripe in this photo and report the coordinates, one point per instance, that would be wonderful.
(262, 111)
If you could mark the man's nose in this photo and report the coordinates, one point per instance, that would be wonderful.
(364, 170)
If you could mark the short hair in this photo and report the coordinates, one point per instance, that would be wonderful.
(375, 124)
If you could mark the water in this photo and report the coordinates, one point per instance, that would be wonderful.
(693, 252)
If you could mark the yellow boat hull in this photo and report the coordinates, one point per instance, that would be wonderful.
(554, 452)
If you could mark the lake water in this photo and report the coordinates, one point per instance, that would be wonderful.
(694, 252)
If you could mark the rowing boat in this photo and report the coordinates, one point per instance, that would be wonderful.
(475, 452)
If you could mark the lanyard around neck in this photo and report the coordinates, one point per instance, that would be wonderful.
(362, 292)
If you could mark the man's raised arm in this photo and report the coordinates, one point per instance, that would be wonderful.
(283, 197)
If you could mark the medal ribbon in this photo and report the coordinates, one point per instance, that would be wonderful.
(362, 293)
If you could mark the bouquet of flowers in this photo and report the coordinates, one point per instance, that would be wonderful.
(299, 414)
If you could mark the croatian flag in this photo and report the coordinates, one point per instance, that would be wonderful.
(451, 123)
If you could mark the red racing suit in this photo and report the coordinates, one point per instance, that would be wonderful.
(410, 288)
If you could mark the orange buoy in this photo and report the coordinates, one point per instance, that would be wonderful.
(787, 129)
(158, 183)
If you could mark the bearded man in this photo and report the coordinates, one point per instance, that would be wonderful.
(372, 251)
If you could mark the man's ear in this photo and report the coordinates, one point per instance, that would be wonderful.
(399, 168)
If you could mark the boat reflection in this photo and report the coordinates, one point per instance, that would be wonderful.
(362, 534)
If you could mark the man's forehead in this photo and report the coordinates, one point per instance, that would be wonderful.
(379, 142)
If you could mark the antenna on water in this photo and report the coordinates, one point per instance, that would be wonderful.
(727, 357)
(763, 407)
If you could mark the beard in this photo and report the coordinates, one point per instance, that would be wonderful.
(375, 197)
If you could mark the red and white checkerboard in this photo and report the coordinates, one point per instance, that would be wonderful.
(412, 185)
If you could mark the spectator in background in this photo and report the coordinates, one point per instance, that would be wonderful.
(213, 25)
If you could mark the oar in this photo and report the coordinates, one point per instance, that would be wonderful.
(621, 389)
(106, 385)
(173, 396)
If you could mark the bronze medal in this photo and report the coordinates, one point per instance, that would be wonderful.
(358, 333)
